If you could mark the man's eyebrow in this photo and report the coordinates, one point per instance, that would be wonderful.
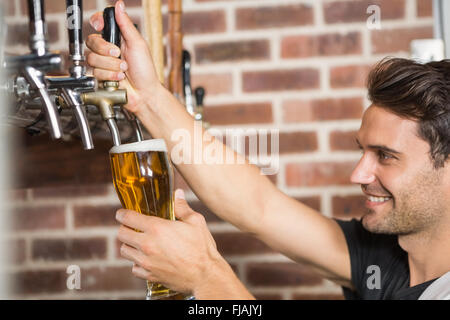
(378, 147)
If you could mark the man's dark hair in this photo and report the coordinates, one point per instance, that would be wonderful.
(419, 92)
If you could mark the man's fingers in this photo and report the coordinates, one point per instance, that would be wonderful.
(184, 212)
(182, 209)
(102, 47)
(138, 221)
(107, 63)
(142, 273)
(96, 21)
(102, 75)
(130, 237)
(127, 28)
(133, 254)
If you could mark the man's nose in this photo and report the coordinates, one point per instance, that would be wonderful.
(364, 173)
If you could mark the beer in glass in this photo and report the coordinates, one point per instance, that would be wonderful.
(143, 179)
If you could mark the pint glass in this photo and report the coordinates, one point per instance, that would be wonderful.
(143, 178)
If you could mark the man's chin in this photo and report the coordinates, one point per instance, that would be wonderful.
(373, 221)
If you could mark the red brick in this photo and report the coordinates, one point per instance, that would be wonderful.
(20, 36)
(349, 76)
(294, 142)
(58, 6)
(274, 17)
(280, 274)
(348, 207)
(199, 22)
(69, 249)
(398, 40)
(53, 31)
(110, 279)
(239, 243)
(343, 140)
(18, 33)
(43, 281)
(71, 191)
(239, 113)
(42, 217)
(319, 296)
(424, 8)
(321, 45)
(232, 51)
(312, 202)
(322, 109)
(318, 174)
(95, 216)
(203, 22)
(280, 80)
(213, 83)
(356, 11)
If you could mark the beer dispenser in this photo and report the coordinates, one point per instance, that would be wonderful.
(70, 89)
(110, 95)
(25, 77)
(76, 104)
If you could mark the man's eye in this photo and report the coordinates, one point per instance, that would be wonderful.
(384, 156)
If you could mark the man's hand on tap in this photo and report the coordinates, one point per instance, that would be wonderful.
(134, 69)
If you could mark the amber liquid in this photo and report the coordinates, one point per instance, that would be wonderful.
(144, 183)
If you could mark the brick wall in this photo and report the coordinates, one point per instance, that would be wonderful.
(295, 65)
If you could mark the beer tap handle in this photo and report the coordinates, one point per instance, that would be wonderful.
(111, 31)
(74, 9)
(187, 89)
(38, 29)
(199, 96)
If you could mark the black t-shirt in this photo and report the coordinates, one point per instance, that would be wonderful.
(378, 256)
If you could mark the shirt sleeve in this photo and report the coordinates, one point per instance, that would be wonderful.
(359, 242)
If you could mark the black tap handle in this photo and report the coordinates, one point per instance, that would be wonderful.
(186, 69)
(36, 10)
(199, 95)
(111, 31)
(74, 9)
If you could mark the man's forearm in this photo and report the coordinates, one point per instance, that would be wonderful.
(232, 191)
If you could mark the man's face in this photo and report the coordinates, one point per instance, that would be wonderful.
(404, 193)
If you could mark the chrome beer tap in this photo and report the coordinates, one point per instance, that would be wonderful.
(110, 95)
(28, 71)
(195, 110)
(70, 88)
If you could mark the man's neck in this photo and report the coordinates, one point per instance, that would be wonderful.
(428, 254)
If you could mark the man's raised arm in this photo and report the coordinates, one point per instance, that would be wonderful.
(236, 192)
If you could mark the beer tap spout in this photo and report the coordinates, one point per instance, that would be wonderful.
(36, 80)
(112, 125)
(74, 99)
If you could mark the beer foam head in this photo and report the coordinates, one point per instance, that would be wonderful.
(141, 146)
